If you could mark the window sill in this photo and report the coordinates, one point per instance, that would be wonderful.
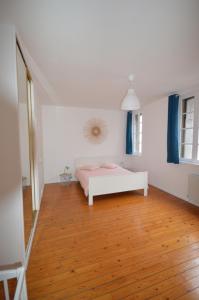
(134, 154)
(189, 162)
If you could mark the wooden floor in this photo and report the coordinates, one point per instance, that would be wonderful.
(124, 247)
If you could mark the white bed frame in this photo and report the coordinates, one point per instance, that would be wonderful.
(108, 184)
(101, 185)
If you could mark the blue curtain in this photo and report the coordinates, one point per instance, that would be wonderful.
(173, 130)
(129, 134)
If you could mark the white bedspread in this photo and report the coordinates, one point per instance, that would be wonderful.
(83, 175)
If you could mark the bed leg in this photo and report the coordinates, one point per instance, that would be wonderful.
(145, 191)
(90, 200)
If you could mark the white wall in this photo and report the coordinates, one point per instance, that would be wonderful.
(169, 177)
(64, 140)
(11, 206)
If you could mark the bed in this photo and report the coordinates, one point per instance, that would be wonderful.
(100, 180)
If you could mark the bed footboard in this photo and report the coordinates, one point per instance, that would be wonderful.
(101, 185)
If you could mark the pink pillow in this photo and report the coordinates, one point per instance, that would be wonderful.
(89, 167)
(109, 166)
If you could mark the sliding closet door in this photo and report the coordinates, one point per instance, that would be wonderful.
(26, 144)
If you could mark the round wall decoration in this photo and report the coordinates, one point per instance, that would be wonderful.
(95, 131)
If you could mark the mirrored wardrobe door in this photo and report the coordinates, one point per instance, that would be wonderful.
(26, 144)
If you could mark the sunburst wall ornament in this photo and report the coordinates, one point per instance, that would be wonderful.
(95, 130)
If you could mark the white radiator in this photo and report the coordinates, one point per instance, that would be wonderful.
(193, 188)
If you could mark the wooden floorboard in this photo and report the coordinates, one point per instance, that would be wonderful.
(126, 246)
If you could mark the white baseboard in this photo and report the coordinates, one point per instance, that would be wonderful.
(193, 202)
(174, 194)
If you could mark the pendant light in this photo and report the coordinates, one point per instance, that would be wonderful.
(130, 101)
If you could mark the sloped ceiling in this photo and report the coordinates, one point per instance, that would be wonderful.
(85, 49)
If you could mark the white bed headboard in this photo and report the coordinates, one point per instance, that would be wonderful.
(96, 160)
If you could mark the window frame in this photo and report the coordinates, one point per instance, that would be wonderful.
(136, 134)
(195, 143)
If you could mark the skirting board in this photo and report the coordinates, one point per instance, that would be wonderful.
(174, 194)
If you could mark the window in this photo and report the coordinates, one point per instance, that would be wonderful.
(189, 130)
(137, 138)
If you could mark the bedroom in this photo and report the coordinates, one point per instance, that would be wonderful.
(78, 56)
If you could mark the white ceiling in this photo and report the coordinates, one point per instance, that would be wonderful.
(85, 50)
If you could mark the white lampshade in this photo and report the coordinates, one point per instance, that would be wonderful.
(130, 101)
